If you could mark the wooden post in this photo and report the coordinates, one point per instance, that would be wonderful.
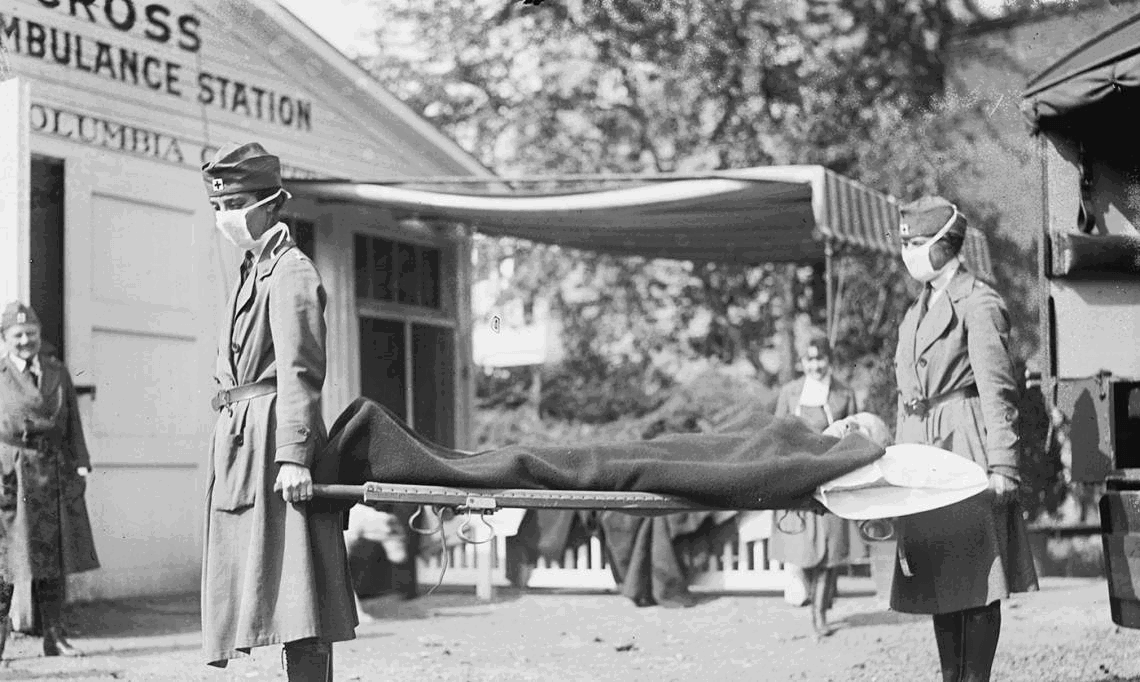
(15, 191)
(830, 287)
(485, 563)
(787, 326)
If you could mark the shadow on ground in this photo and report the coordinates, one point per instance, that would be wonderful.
(872, 618)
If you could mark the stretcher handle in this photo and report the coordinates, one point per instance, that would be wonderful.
(877, 530)
(429, 530)
(464, 531)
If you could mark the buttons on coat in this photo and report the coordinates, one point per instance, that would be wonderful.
(239, 440)
(303, 431)
(922, 362)
(235, 348)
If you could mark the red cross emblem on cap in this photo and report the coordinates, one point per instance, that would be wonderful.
(21, 317)
(217, 185)
(904, 229)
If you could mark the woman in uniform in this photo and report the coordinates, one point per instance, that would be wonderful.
(45, 533)
(957, 392)
(815, 544)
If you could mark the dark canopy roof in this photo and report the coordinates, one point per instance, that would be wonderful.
(1105, 66)
(751, 216)
(754, 215)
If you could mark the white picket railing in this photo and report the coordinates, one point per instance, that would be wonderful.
(737, 567)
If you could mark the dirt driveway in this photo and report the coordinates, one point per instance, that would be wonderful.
(1061, 633)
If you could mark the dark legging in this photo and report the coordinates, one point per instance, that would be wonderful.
(308, 660)
(967, 641)
(49, 596)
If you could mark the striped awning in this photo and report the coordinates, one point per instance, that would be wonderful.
(753, 215)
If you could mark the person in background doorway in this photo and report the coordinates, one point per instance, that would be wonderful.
(957, 392)
(814, 545)
(45, 532)
(275, 569)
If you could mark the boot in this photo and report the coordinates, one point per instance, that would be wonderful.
(980, 630)
(948, 636)
(51, 617)
(308, 660)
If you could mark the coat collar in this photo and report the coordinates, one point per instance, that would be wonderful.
(942, 312)
(50, 373)
(279, 242)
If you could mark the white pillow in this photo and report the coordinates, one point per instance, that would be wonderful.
(908, 479)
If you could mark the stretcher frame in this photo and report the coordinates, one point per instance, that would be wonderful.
(488, 500)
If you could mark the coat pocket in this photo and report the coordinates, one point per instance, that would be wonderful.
(234, 479)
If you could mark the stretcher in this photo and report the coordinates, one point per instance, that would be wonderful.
(485, 501)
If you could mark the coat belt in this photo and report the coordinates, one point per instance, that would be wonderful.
(237, 394)
(32, 440)
(921, 407)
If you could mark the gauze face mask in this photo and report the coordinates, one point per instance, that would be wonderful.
(234, 225)
(917, 258)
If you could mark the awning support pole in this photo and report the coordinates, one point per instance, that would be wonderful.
(829, 284)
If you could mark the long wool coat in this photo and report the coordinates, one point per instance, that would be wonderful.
(44, 528)
(825, 539)
(272, 572)
(975, 552)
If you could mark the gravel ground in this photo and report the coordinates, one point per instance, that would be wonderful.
(1061, 633)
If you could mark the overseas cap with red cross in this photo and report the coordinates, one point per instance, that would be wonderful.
(926, 216)
(241, 168)
(17, 313)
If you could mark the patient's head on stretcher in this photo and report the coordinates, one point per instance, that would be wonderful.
(865, 424)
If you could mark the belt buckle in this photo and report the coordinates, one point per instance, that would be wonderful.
(917, 407)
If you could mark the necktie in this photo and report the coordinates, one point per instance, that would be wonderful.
(31, 374)
(246, 264)
(927, 292)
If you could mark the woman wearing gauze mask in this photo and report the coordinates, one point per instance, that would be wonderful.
(957, 392)
(233, 218)
(813, 546)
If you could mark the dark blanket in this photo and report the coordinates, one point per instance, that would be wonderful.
(765, 464)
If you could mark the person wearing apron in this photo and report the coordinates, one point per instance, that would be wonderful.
(812, 546)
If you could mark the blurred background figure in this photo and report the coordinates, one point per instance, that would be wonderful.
(813, 545)
(45, 533)
(371, 530)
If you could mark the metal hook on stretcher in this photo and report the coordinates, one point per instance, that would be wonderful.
(484, 505)
(784, 514)
(877, 530)
(464, 533)
(433, 514)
